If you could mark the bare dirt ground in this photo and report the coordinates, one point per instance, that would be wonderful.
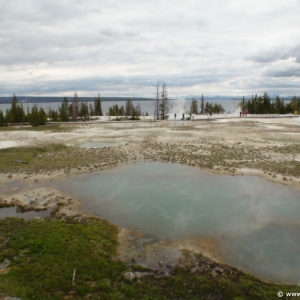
(267, 147)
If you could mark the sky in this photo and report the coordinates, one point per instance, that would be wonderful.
(126, 47)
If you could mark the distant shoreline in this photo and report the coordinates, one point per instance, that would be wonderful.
(33, 99)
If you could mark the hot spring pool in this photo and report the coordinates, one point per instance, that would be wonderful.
(255, 222)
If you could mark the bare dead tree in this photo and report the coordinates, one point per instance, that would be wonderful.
(164, 105)
(75, 106)
(157, 101)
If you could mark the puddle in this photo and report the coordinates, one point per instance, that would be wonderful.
(17, 212)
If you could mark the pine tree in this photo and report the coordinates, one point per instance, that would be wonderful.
(64, 114)
(34, 116)
(202, 105)
(194, 107)
(243, 104)
(84, 110)
(75, 106)
(42, 116)
(14, 103)
(128, 108)
(138, 110)
(1, 118)
(98, 106)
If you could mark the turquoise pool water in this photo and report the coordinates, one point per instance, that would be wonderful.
(255, 222)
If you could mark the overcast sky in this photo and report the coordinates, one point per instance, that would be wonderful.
(124, 47)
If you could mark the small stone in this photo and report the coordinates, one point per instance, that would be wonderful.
(214, 273)
(129, 276)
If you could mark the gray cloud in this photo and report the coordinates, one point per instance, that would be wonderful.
(276, 53)
(123, 47)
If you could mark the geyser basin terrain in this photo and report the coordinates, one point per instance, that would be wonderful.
(98, 145)
(255, 222)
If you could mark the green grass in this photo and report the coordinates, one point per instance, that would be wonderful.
(44, 254)
(55, 157)
(54, 128)
(49, 251)
(31, 158)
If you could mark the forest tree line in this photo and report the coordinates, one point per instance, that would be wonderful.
(67, 111)
(37, 116)
(264, 105)
(75, 109)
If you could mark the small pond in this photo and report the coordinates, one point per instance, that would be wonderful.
(256, 223)
(16, 212)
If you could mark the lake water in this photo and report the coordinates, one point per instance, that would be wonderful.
(255, 222)
(146, 106)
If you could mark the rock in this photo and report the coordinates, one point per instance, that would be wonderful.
(214, 273)
(5, 264)
(19, 161)
(194, 269)
(139, 275)
(12, 298)
(129, 276)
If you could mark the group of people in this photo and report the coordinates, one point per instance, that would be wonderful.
(244, 113)
(191, 117)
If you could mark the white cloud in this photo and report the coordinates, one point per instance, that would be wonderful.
(125, 47)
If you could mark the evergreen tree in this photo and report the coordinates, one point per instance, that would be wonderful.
(122, 111)
(202, 104)
(53, 115)
(294, 104)
(75, 107)
(84, 110)
(16, 114)
(8, 115)
(194, 107)
(267, 107)
(214, 108)
(279, 105)
(14, 103)
(64, 113)
(138, 110)
(97, 106)
(34, 116)
(37, 116)
(42, 116)
(134, 115)
(2, 119)
(243, 104)
(20, 114)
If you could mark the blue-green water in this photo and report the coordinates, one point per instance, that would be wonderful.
(255, 222)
